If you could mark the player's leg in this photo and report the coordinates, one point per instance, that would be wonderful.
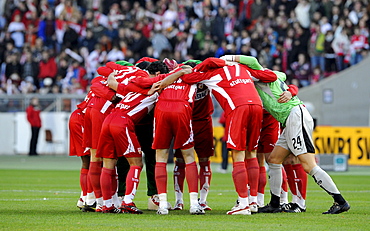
(297, 180)
(262, 180)
(240, 179)
(325, 182)
(83, 178)
(161, 180)
(178, 180)
(252, 167)
(107, 176)
(122, 169)
(132, 183)
(93, 123)
(205, 177)
(204, 147)
(275, 161)
(145, 136)
(191, 175)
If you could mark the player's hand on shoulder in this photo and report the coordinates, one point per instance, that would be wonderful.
(155, 87)
(285, 97)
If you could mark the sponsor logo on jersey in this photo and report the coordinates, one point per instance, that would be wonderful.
(240, 81)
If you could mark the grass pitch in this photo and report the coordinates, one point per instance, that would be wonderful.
(40, 193)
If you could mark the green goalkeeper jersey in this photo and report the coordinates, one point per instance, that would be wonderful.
(270, 92)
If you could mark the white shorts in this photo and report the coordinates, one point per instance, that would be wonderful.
(297, 135)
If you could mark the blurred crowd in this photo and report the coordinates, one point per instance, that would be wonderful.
(55, 46)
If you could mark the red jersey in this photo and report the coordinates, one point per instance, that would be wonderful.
(85, 102)
(102, 96)
(177, 91)
(232, 86)
(203, 106)
(135, 105)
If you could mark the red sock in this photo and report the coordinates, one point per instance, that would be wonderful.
(262, 180)
(106, 182)
(161, 177)
(132, 180)
(94, 175)
(83, 180)
(253, 175)
(284, 184)
(191, 173)
(240, 178)
(290, 177)
(114, 182)
(89, 185)
(179, 176)
(205, 175)
(301, 179)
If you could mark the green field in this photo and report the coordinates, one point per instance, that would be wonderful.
(40, 193)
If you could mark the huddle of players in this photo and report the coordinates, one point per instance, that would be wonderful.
(183, 114)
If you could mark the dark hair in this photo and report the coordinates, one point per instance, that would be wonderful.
(143, 65)
(157, 66)
(190, 63)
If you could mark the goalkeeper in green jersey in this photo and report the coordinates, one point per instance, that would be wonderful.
(296, 138)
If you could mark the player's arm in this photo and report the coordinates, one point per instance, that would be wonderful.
(174, 76)
(288, 94)
(102, 91)
(254, 67)
(250, 61)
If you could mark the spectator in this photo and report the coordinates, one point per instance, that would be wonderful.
(341, 47)
(30, 69)
(48, 68)
(358, 43)
(17, 28)
(115, 54)
(88, 41)
(47, 29)
(75, 80)
(301, 69)
(302, 12)
(329, 54)
(13, 68)
(70, 37)
(316, 75)
(316, 47)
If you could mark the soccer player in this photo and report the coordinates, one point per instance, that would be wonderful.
(203, 145)
(76, 148)
(97, 109)
(172, 120)
(296, 138)
(144, 133)
(118, 139)
(233, 88)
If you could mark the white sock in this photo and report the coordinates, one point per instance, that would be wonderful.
(243, 202)
(99, 201)
(260, 199)
(108, 203)
(283, 197)
(128, 199)
(90, 198)
(275, 179)
(252, 199)
(203, 193)
(324, 180)
(116, 200)
(163, 200)
(193, 198)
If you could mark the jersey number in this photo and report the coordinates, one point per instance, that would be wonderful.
(297, 143)
(130, 97)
